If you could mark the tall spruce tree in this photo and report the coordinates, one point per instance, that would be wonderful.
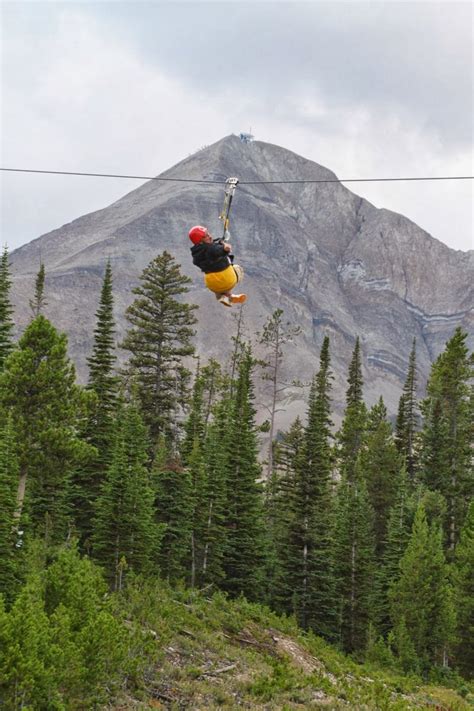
(288, 458)
(238, 344)
(400, 521)
(274, 336)
(447, 436)
(214, 383)
(353, 528)
(197, 470)
(38, 303)
(174, 508)
(192, 453)
(244, 553)
(354, 558)
(422, 596)
(159, 338)
(380, 464)
(47, 410)
(407, 418)
(310, 530)
(6, 309)
(206, 460)
(125, 536)
(213, 527)
(351, 434)
(98, 430)
(463, 575)
(102, 379)
(195, 425)
(9, 554)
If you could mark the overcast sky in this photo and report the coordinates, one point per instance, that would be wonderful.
(367, 89)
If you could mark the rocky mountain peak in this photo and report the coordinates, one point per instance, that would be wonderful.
(332, 261)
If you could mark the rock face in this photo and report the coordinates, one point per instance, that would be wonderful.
(333, 262)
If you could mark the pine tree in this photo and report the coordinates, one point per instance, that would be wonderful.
(159, 338)
(192, 453)
(60, 645)
(6, 309)
(355, 381)
(401, 642)
(274, 336)
(378, 652)
(125, 536)
(214, 530)
(407, 419)
(353, 529)
(380, 464)
(422, 595)
(89, 641)
(353, 426)
(204, 451)
(400, 521)
(238, 345)
(38, 303)
(198, 476)
(214, 383)
(314, 509)
(244, 517)
(103, 383)
(47, 409)
(353, 553)
(289, 456)
(27, 653)
(174, 507)
(8, 486)
(447, 436)
(434, 455)
(299, 536)
(463, 574)
(195, 425)
(102, 379)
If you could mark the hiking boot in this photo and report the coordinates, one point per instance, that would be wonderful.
(238, 298)
(225, 300)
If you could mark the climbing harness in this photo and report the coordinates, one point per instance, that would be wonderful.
(231, 184)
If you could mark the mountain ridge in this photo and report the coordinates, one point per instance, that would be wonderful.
(330, 259)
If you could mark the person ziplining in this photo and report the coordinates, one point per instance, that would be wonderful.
(214, 256)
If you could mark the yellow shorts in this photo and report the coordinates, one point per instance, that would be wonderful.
(220, 282)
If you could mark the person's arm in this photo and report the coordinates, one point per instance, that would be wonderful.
(216, 250)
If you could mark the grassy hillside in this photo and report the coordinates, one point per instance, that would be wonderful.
(206, 652)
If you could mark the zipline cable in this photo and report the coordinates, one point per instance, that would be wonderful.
(110, 175)
(241, 182)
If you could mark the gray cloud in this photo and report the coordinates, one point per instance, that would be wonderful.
(413, 57)
(365, 88)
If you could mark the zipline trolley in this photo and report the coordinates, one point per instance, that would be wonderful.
(231, 184)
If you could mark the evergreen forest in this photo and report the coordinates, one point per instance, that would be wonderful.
(141, 500)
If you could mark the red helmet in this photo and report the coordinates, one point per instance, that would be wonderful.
(197, 234)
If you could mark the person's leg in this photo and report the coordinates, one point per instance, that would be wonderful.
(222, 283)
(239, 273)
(238, 298)
(224, 297)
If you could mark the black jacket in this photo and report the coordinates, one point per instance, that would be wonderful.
(210, 257)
